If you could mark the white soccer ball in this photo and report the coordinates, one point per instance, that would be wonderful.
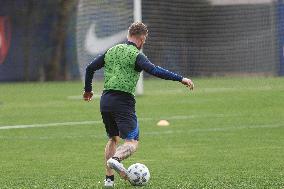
(138, 174)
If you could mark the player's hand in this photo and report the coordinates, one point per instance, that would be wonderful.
(87, 96)
(188, 83)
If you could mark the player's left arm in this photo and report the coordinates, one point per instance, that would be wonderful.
(96, 64)
(143, 63)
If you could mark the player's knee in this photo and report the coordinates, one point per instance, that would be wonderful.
(114, 139)
(133, 143)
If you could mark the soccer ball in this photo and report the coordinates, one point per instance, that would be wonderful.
(138, 174)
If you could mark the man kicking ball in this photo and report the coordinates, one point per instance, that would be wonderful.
(122, 66)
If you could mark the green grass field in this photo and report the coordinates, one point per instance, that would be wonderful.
(228, 133)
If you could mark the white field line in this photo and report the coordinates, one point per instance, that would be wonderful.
(49, 125)
(220, 129)
(155, 133)
(176, 117)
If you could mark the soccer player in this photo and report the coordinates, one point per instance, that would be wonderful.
(122, 66)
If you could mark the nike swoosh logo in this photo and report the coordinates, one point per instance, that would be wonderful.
(95, 45)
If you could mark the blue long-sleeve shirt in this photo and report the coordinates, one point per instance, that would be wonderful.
(142, 63)
(118, 101)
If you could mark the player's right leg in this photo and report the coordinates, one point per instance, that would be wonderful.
(126, 150)
(129, 131)
(122, 152)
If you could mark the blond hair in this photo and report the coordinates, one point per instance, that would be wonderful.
(137, 29)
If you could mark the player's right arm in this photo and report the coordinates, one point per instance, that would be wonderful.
(143, 63)
(96, 64)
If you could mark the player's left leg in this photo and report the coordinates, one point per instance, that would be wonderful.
(110, 149)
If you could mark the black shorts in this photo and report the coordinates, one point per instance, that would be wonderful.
(123, 124)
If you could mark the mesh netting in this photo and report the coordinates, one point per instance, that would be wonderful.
(190, 37)
(100, 25)
(197, 37)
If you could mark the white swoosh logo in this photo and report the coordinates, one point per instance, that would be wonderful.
(95, 45)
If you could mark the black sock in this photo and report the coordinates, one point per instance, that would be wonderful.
(110, 177)
(117, 159)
